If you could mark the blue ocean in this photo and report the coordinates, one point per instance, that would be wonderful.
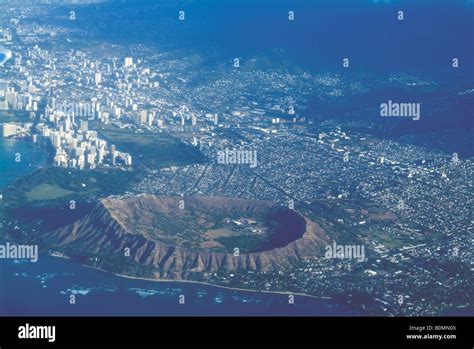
(45, 287)
(365, 30)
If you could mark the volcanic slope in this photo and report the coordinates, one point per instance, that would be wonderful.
(180, 237)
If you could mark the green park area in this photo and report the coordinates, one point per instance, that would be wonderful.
(153, 150)
(46, 192)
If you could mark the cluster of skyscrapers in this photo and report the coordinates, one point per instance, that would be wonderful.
(78, 147)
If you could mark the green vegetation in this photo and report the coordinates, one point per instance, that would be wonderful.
(184, 228)
(151, 149)
(40, 201)
(340, 220)
(384, 238)
(245, 243)
(53, 185)
(46, 192)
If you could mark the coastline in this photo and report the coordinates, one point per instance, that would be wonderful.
(16, 140)
(33, 166)
(221, 286)
(287, 293)
(22, 140)
(196, 282)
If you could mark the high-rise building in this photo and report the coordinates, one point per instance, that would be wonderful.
(67, 125)
(142, 117)
(3, 88)
(84, 125)
(113, 153)
(128, 160)
(98, 78)
(81, 162)
(101, 155)
(9, 130)
(91, 160)
(117, 112)
(31, 88)
(128, 62)
(79, 152)
(56, 140)
(150, 119)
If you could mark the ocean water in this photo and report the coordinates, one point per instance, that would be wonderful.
(366, 31)
(44, 288)
(18, 158)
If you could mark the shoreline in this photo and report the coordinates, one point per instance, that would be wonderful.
(32, 167)
(203, 283)
(287, 293)
(22, 140)
(218, 286)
